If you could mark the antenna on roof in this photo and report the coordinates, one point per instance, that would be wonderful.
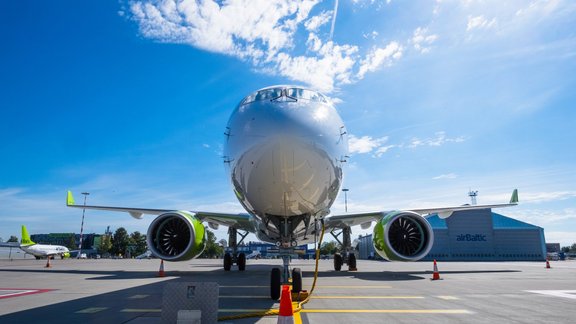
(473, 194)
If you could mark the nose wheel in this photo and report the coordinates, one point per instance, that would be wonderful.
(282, 276)
(296, 280)
(275, 283)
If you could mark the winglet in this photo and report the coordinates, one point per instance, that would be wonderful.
(514, 198)
(25, 237)
(70, 199)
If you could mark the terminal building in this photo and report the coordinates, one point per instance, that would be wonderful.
(477, 235)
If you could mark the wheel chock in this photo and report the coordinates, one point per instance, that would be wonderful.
(300, 296)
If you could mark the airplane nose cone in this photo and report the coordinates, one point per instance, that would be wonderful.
(286, 177)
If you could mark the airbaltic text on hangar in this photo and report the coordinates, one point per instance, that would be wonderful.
(471, 237)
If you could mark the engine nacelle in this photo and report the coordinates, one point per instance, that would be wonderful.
(176, 236)
(403, 236)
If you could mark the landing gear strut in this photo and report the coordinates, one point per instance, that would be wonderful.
(235, 257)
(348, 255)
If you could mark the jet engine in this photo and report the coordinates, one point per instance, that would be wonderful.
(176, 236)
(403, 236)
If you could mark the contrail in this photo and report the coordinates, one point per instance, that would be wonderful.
(334, 19)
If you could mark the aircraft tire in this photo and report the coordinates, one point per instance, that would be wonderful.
(241, 262)
(275, 284)
(227, 262)
(296, 280)
(337, 261)
(351, 261)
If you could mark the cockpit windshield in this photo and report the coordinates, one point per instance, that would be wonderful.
(284, 95)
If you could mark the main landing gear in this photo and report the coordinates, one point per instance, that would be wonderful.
(348, 255)
(235, 257)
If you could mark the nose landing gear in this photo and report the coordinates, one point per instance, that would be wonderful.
(279, 277)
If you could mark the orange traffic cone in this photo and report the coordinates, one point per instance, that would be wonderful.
(436, 274)
(547, 264)
(48, 265)
(161, 271)
(286, 314)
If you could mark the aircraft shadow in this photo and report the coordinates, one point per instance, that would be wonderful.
(254, 270)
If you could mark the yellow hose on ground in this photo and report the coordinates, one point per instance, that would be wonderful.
(276, 311)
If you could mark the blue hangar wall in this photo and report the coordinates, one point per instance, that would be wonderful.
(478, 235)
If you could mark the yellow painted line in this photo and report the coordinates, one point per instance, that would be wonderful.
(318, 287)
(244, 286)
(332, 297)
(141, 310)
(237, 310)
(361, 287)
(397, 311)
(448, 297)
(297, 318)
(366, 297)
(138, 296)
(248, 297)
(91, 310)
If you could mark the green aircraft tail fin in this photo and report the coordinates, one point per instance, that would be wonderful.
(514, 198)
(26, 237)
(70, 199)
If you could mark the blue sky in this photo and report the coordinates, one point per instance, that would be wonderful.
(128, 100)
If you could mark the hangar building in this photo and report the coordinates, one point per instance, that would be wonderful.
(478, 235)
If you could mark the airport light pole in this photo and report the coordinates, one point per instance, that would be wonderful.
(82, 226)
(345, 199)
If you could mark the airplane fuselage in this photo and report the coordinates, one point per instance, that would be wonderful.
(43, 250)
(285, 147)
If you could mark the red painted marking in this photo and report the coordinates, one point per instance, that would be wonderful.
(17, 292)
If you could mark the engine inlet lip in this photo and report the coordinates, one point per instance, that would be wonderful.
(422, 222)
(152, 231)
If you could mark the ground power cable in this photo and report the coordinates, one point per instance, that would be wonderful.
(277, 311)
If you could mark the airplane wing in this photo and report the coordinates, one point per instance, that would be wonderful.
(10, 244)
(364, 219)
(241, 221)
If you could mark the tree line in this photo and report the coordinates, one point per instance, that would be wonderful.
(134, 244)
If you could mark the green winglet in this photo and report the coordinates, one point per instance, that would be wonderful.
(70, 199)
(514, 198)
(26, 237)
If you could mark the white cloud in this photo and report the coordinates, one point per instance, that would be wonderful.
(564, 238)
(421, 40)
(314, 23)
(480, 22)
(446, 176)
(365, 144)
(438, 140)
(539, 8)
(540, 197)
(368, 144)
(383, 149)
(378, 57)
(544, 217)
(371, 35)
(263, 33)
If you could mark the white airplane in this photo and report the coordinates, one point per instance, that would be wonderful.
(40, 251)
(285, 147)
